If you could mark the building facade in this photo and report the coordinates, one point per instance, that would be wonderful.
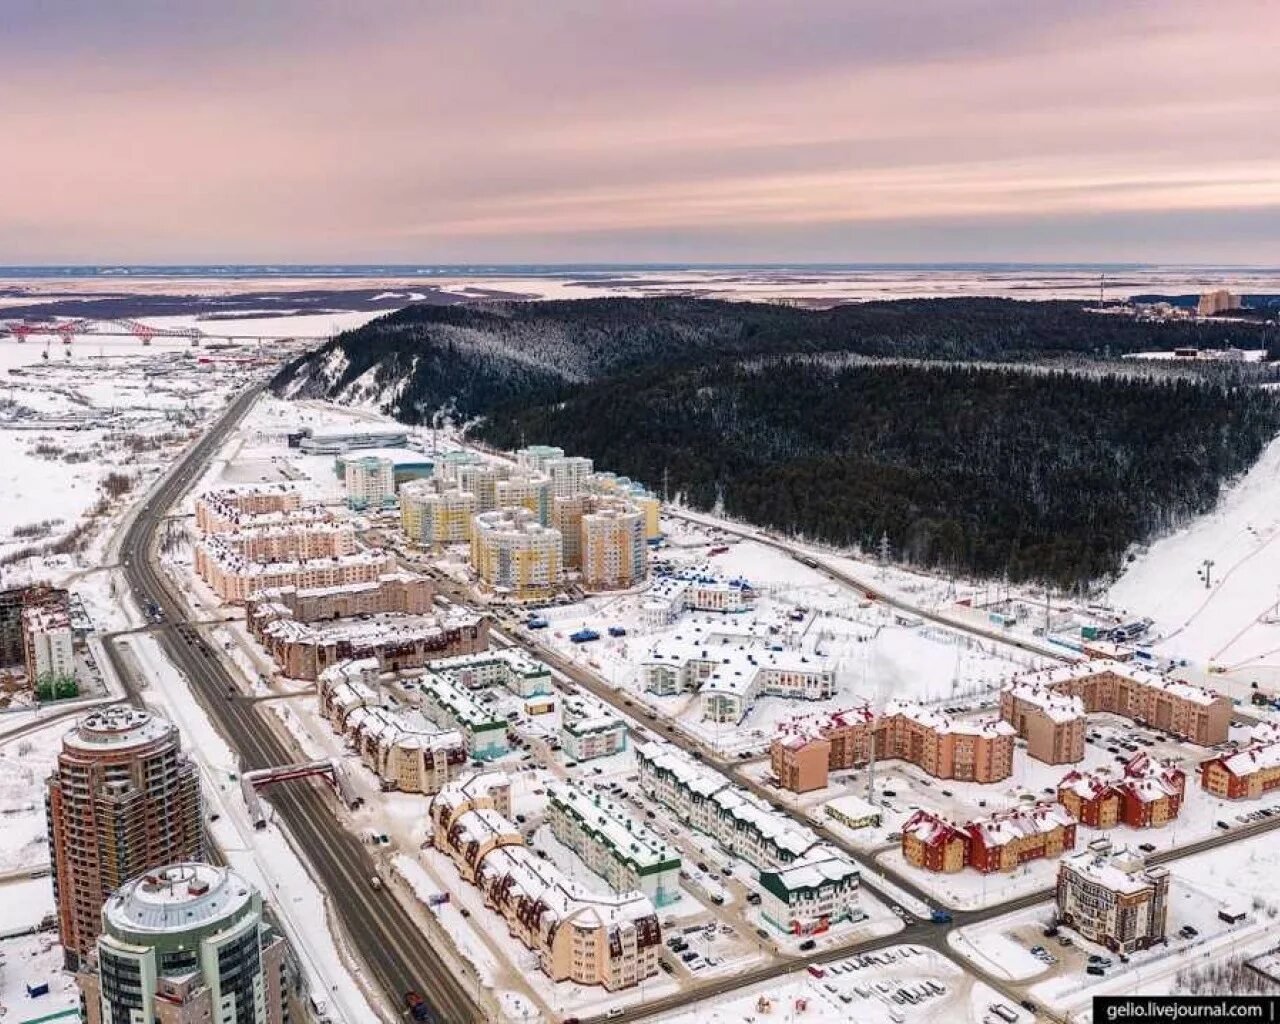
(1146, 793)
(453, 706)
(228, 508)
(1052, 723)
(370, 482)
(236, 579)
(515, 555)
(615, 553)
(122, 800)
(580, 935)
(613, 843)
(997, 843)
(185, 944)
(1247, 772)
(590, 728)
(432, 516)
(1112, 898)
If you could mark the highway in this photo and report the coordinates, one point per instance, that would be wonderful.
(392, 948)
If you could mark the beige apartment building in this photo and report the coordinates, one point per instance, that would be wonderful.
(1052, 723)
(1112, 898)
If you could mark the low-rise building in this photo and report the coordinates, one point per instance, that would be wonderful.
(235, 579)
(997, 843)
(1052, 723)
(578, 934)
(370, 482)
(1145, 793)
(589, 728)
(611, 842)
(229, 507)
(809, 897)
(730, 675)
(401, 753)
(1247, 772)
(337, 440)
(1112, 898)
(291, 542)
(432, 515)
(515, 555)
(853, 812)
(453, 706)
(522, 675)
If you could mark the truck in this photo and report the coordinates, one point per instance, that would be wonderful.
(940, 916)
(417, 1006)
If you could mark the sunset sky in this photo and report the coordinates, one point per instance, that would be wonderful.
(703, 130)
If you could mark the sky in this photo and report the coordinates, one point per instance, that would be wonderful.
(161, 131)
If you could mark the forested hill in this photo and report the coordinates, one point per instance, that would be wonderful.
(471, 359)
(1024, 470)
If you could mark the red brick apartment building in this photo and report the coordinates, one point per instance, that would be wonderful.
(998, 843)
(1146, 794)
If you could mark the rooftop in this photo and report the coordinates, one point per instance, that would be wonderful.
(177, 898)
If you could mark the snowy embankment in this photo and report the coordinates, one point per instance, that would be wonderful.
(1231, 624)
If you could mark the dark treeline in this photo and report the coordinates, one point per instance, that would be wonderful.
(472, 358)
(1037, 474)
(1047, 476)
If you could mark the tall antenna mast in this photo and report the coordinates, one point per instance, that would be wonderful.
(1102, 284)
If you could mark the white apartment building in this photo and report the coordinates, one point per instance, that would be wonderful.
(613, 844)
(370, 482)
(730, 674)
(589, 728)
(809, 897)
(48, 641)
(509, 667)
(569, 474)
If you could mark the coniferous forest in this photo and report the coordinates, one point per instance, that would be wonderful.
(978, 435)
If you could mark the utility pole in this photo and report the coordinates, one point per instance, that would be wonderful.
(1208, 564)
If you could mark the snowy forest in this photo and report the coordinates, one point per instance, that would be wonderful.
(979, 436)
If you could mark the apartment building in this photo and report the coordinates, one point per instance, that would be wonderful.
(1145, 793)
(290, 543)
(590, 728)
(530, 491)
(515, 555)
(615, 554)
(48, 643)
(581, 935)
(401, 593)
(730, 674)
(451, 705)
(370, 482)
(481, 478)
(122, 800)
(185, 944)
(603, 482)
(404, 754)
(1052, 723)
(997, 843)
(1218, 301)
(805, 750)
(1149, 698)
(613, 844)
(522, 675)
(674, 593)
(226, 509)
(236, 579)
(432, 516)
(1112, 898)
(569, 474)
(809, 897)
(1247, 772)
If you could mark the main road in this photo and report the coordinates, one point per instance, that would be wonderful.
(391, 947)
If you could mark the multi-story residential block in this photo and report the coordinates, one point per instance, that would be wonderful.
(804, 750)
(580, 935)
(809, 897)
(515, 555)
(522, 675)
(1145, 793)
(567, 511)
(1219, 301)
(481, 479)
(536, 456)
(185, 944)
(370, 482)
(1149, 698)
(731, 675)
(431, 516)
(613, 843)
(1112, 898)
(530, 491)
(289, 543)
(304, 650)
(403, 754)
(1052, 723)
(235, 579)
(48, 642)
(452, 705)
(122, 800)
(569, 475)
(226, 509)
(401, 593)
(615, 554)
(1249, 771)
(589, 728)
(999, 842)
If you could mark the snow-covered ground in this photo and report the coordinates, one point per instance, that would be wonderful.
(34, 960)
(25, 763)
(1232, 625)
